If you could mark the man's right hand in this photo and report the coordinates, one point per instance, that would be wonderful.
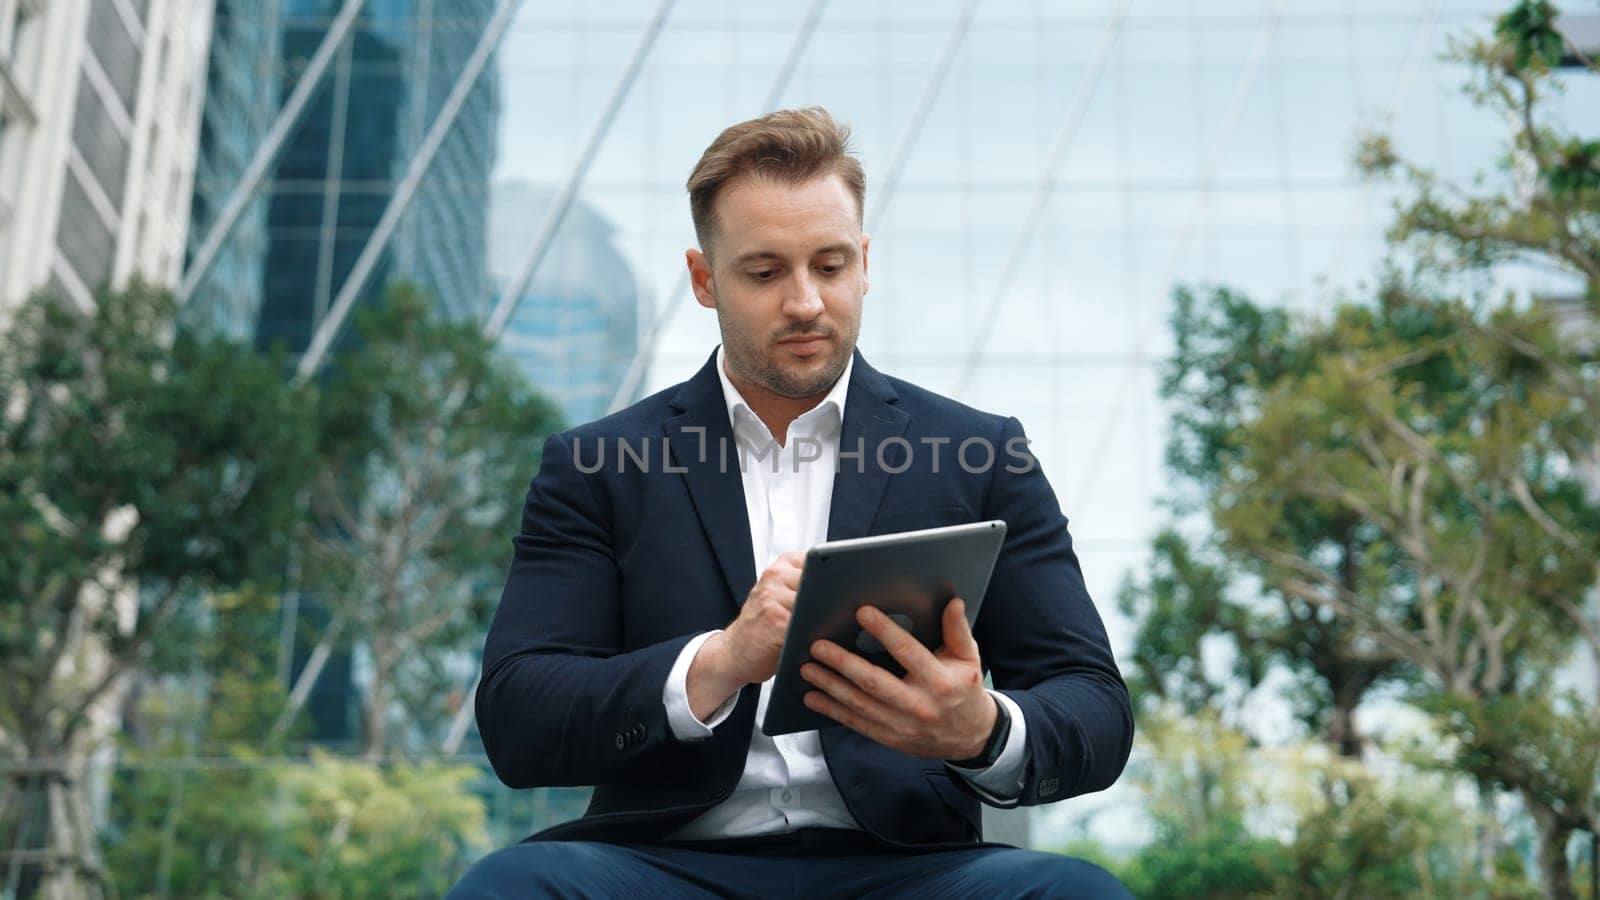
(746, 652)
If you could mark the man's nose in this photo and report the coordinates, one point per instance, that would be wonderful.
(802, 299)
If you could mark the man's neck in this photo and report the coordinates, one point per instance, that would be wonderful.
(774, 410)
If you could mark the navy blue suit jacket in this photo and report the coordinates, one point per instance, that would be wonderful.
(616, 569)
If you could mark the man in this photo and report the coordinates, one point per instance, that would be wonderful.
(634, 644)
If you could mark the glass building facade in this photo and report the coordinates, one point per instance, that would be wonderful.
(241, 101)
(287, 259)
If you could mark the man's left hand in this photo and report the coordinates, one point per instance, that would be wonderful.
(939, 710)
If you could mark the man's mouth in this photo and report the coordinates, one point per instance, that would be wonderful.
(805, 345)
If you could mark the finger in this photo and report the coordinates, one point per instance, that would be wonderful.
(817, 701)
(958, 639)
(773, 587)
(875, 681)
(787, 576)
(901, 644)
(846, 693)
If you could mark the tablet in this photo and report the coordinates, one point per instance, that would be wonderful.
(910, 575)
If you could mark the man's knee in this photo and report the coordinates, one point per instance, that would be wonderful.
(550, 868)
(1030, 873)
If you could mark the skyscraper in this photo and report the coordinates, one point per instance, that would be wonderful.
(99, 110)
(242, 98)
(576, 326)
(289, 256)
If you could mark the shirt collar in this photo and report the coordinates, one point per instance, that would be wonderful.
(831, 405)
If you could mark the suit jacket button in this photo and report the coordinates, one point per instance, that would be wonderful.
(1049, 786)
(622, 740)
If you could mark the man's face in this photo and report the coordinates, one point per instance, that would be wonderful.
(787, 272)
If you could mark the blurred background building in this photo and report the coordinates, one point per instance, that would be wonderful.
(99, 110)
(576, 327)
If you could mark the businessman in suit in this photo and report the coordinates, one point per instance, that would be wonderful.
(658, 560)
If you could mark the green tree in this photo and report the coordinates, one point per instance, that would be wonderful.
(1199, 789)
(1543, 206)
(355, 830)
(143, 469)
(1449, 449)
(1229, 354)
(192, 802)
(1409, 483)
(1541, 209)
(1232, 822)
(428, 437)
(1357, 836)
(203, 808)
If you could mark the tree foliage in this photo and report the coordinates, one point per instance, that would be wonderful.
(1231, 355)
(143, 469)
(1409, 480)
(353, 830)
(1445, 455)
(427, 437)
(1229, 822)
(1540, 212)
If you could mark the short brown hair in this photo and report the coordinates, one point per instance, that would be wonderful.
(794, 145)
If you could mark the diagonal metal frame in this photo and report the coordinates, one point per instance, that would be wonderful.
(919, 117)
(1271, 22)
(328, 329)
(11, 91)
(271, 146)
(557, 214)
(990, 314)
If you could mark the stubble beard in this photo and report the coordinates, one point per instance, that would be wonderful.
(750, 360)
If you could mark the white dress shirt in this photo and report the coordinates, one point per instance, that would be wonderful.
(788, 493)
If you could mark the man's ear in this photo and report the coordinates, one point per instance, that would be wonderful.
(700, 277)
(866, 283)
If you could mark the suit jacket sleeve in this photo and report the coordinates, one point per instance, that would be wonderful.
(1044, 642)
(559, 702)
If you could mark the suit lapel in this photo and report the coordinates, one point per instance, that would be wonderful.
(871, 417)
(702, 445)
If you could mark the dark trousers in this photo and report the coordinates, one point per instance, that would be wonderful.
(806, 864)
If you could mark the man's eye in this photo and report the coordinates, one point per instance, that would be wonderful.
(830, 270)
(763, 275)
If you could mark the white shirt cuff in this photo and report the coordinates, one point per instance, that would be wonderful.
(1001, 783)
(675, 696)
